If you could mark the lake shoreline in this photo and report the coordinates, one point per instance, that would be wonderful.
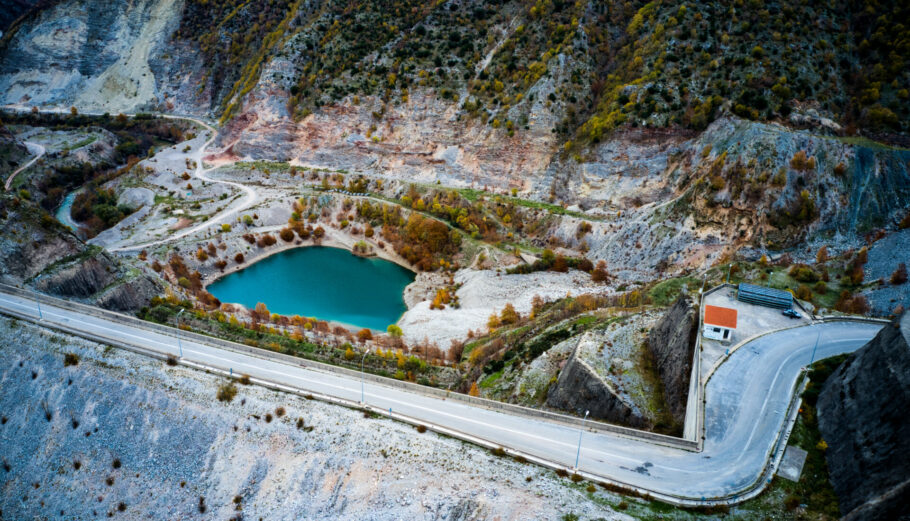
(326, 282)
(332, 239)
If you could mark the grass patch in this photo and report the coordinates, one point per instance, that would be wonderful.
(665, 292)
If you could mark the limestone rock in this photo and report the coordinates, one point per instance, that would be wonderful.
(862, 415)
(580, 388)
(671, 342)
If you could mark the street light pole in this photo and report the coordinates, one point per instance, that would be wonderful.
(179, 345)
(38, 300)
(365, 353)
(811, 360)
(580, 432)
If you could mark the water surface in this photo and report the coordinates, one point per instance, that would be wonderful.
(326, 283)
(64, 214)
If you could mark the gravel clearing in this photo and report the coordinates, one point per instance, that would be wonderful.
(176, 444)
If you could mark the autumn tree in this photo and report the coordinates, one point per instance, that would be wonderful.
(508, 314)
(822, 255)
(599, 273)
(493, 321)
(262, 312)
(364, 335)
(474, 390)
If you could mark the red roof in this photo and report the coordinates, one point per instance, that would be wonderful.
(718, 316)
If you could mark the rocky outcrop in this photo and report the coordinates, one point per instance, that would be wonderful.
(95, 55)
(671, 343)
(78, 280)
(579, 389)
(36, 250)
(862, 415)
(131, 295)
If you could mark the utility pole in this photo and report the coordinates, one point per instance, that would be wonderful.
(365, 353)
(580, 432)
(179, 345)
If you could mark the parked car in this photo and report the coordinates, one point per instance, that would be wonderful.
(792, 313)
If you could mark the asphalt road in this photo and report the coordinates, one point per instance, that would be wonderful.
(33, 148)
(747, 399)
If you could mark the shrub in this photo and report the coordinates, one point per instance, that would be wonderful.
(421, 429)
(268, 417)
(244, 379)
(73, 359)
(77, 464)
(802, 273)
(109, 481)
(238, 258)
(225, 227)
(622, 505)
(576, 478)
(279, 412)
(171, 360)
(900, 274)
(287, 234)
(791, 502)
(226, 392)
(821, 288)
(499, 452)
(803, 292)
(116, 463)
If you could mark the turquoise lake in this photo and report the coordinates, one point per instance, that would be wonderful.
(326, 283)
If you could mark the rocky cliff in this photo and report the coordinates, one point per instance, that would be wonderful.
(862, 415)
(579, 389)
(671, 343)
(12, 152)
(100, 56)
(36, 250)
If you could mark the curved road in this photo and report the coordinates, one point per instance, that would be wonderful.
(33, 148)
(747, 400)
(199, 173)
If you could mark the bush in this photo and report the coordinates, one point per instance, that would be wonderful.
(287, 234)
(171, 360)
(70, 359)
(244, 379)
(900, 274)
(803, 292)
(421, 429)
(226, 392)
(576, 478)
(791, 503)
(802, 273)
(279, 412)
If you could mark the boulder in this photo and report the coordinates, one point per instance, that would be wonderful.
(862, 416)
(579, 389)
(130, 296)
